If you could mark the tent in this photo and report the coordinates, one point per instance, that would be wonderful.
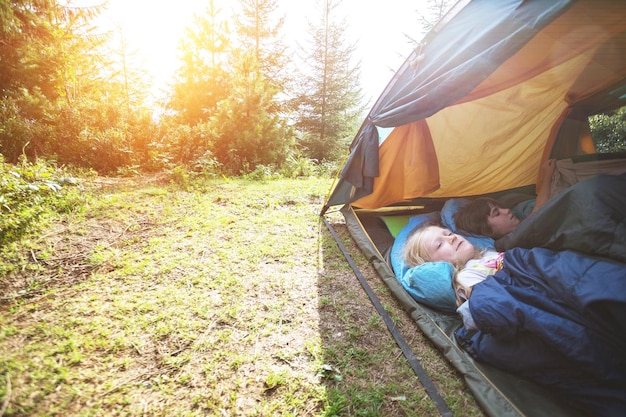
(497, 87)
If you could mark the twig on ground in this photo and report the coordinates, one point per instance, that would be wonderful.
(7, 397)
(128, 381)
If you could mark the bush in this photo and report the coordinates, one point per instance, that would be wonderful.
(261, 173)
(298, 166)
(21, 127)
(327, 169)
(29, 190)
(609, 131)
(207, 166)
(183, 144)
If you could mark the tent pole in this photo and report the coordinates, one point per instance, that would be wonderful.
(421, 374)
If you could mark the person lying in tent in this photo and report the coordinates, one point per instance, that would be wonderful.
(557, 318)
(489, 217)
(588, 217)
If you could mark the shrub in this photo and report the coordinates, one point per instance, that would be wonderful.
(183, 144)
(298, 166)
(609, 131)
(29, 190)
(261, 173)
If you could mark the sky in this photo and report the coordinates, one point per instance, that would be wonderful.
(154, 28)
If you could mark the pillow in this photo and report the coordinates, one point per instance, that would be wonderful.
(430, 283)
(449, 209)
(395, 223)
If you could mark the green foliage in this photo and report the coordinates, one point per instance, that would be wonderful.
(202, 80)
(206, 165)
(328, 103)
(59, 99)
(181, 144)
(35, 36)
(21, 126)
(27, 191)
(99, 135)
(261, 173)
(609, 131)
(248, 129)
(89, 133)
(179, 175)
(328, 169)
(299, 166)
(186, 175)
(229, 94)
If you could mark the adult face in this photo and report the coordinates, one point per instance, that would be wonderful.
(442, 245)
(502, 221)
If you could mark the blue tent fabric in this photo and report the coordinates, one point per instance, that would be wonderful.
(364, 155)
(454, 63)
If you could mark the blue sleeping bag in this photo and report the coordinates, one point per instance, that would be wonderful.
(558, 318)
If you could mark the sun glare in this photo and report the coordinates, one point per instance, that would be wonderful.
(153, 30)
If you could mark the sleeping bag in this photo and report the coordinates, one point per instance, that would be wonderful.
(589, 217)
(559, 319)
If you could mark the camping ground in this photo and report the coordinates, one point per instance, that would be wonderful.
(222, 298)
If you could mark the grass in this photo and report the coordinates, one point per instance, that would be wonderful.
(225, 298)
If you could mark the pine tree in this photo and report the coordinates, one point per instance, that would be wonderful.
(249, 124)
(248, 130)
(260, 33)
(24, 40)
(202, 80)
(328, 101)
(47, 51)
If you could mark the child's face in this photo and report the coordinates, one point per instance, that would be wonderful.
(502, 221)
(444, 246)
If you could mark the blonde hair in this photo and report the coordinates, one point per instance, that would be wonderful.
(415, 253)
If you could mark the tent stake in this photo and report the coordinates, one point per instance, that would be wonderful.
(421, 374)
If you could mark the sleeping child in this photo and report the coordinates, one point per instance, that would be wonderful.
(558, 318)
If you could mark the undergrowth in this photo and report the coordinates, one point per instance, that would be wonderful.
(30, 191)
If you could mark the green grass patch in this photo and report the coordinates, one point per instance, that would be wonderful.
(229, 299)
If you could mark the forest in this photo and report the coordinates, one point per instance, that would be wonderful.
(72, 95)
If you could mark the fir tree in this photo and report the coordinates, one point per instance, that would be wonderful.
(202, 79)
(328, 101)
(259, 32)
